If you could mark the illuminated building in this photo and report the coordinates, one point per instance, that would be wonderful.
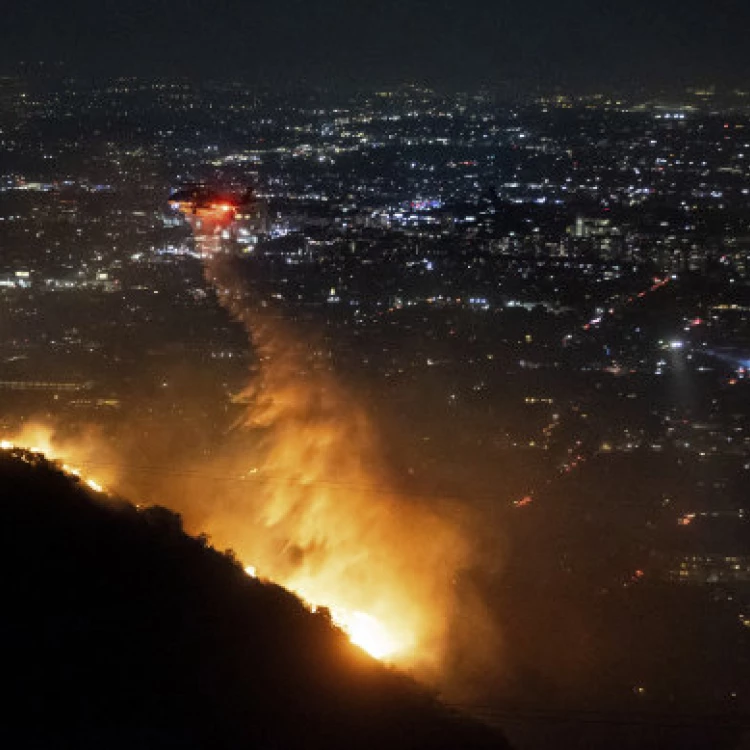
(712, 568)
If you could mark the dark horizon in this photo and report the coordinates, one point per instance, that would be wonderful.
(469, 44)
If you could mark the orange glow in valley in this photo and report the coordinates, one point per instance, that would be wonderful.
(363, 629)
(379, 607)
(367, 633)
(40, 439)
(299, 491)
(319, 515)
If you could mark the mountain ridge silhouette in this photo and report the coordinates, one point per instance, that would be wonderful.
(120, 630)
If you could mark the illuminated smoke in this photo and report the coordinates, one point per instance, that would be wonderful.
(299, 492)
(321, 517)
(83, 455)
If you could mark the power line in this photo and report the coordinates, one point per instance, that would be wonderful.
(373, 489)
(262, 478)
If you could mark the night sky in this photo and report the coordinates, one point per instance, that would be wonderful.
(463, 42)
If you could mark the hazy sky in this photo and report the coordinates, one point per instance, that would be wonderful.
(461, 41)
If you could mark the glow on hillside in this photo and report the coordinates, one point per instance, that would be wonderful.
(362, 629)
(43, 445)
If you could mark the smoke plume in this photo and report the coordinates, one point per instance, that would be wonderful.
(321, 517)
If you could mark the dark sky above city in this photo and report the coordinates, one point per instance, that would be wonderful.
(369, 41)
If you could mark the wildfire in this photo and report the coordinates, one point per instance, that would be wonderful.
(366, 632)
(383, 566)
(363, 629)
(94, 485)
(304, 494)
(39, 440)
(384, 641)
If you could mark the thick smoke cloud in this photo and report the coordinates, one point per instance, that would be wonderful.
(326, 523)
(299, 490)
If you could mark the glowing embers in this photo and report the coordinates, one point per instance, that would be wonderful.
(362, 629)
(358, 582)
(46, 450)
(366, 632)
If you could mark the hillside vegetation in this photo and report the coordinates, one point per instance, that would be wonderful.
(119, 630)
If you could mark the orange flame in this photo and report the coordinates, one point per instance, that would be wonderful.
(333, 530)
(314, 511)
(40, 439)
(73, 455)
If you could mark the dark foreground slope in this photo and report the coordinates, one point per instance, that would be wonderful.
(118, 630)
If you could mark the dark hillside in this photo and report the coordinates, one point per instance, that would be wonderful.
(118, 630)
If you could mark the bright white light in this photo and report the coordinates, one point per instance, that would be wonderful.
(366, 632)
